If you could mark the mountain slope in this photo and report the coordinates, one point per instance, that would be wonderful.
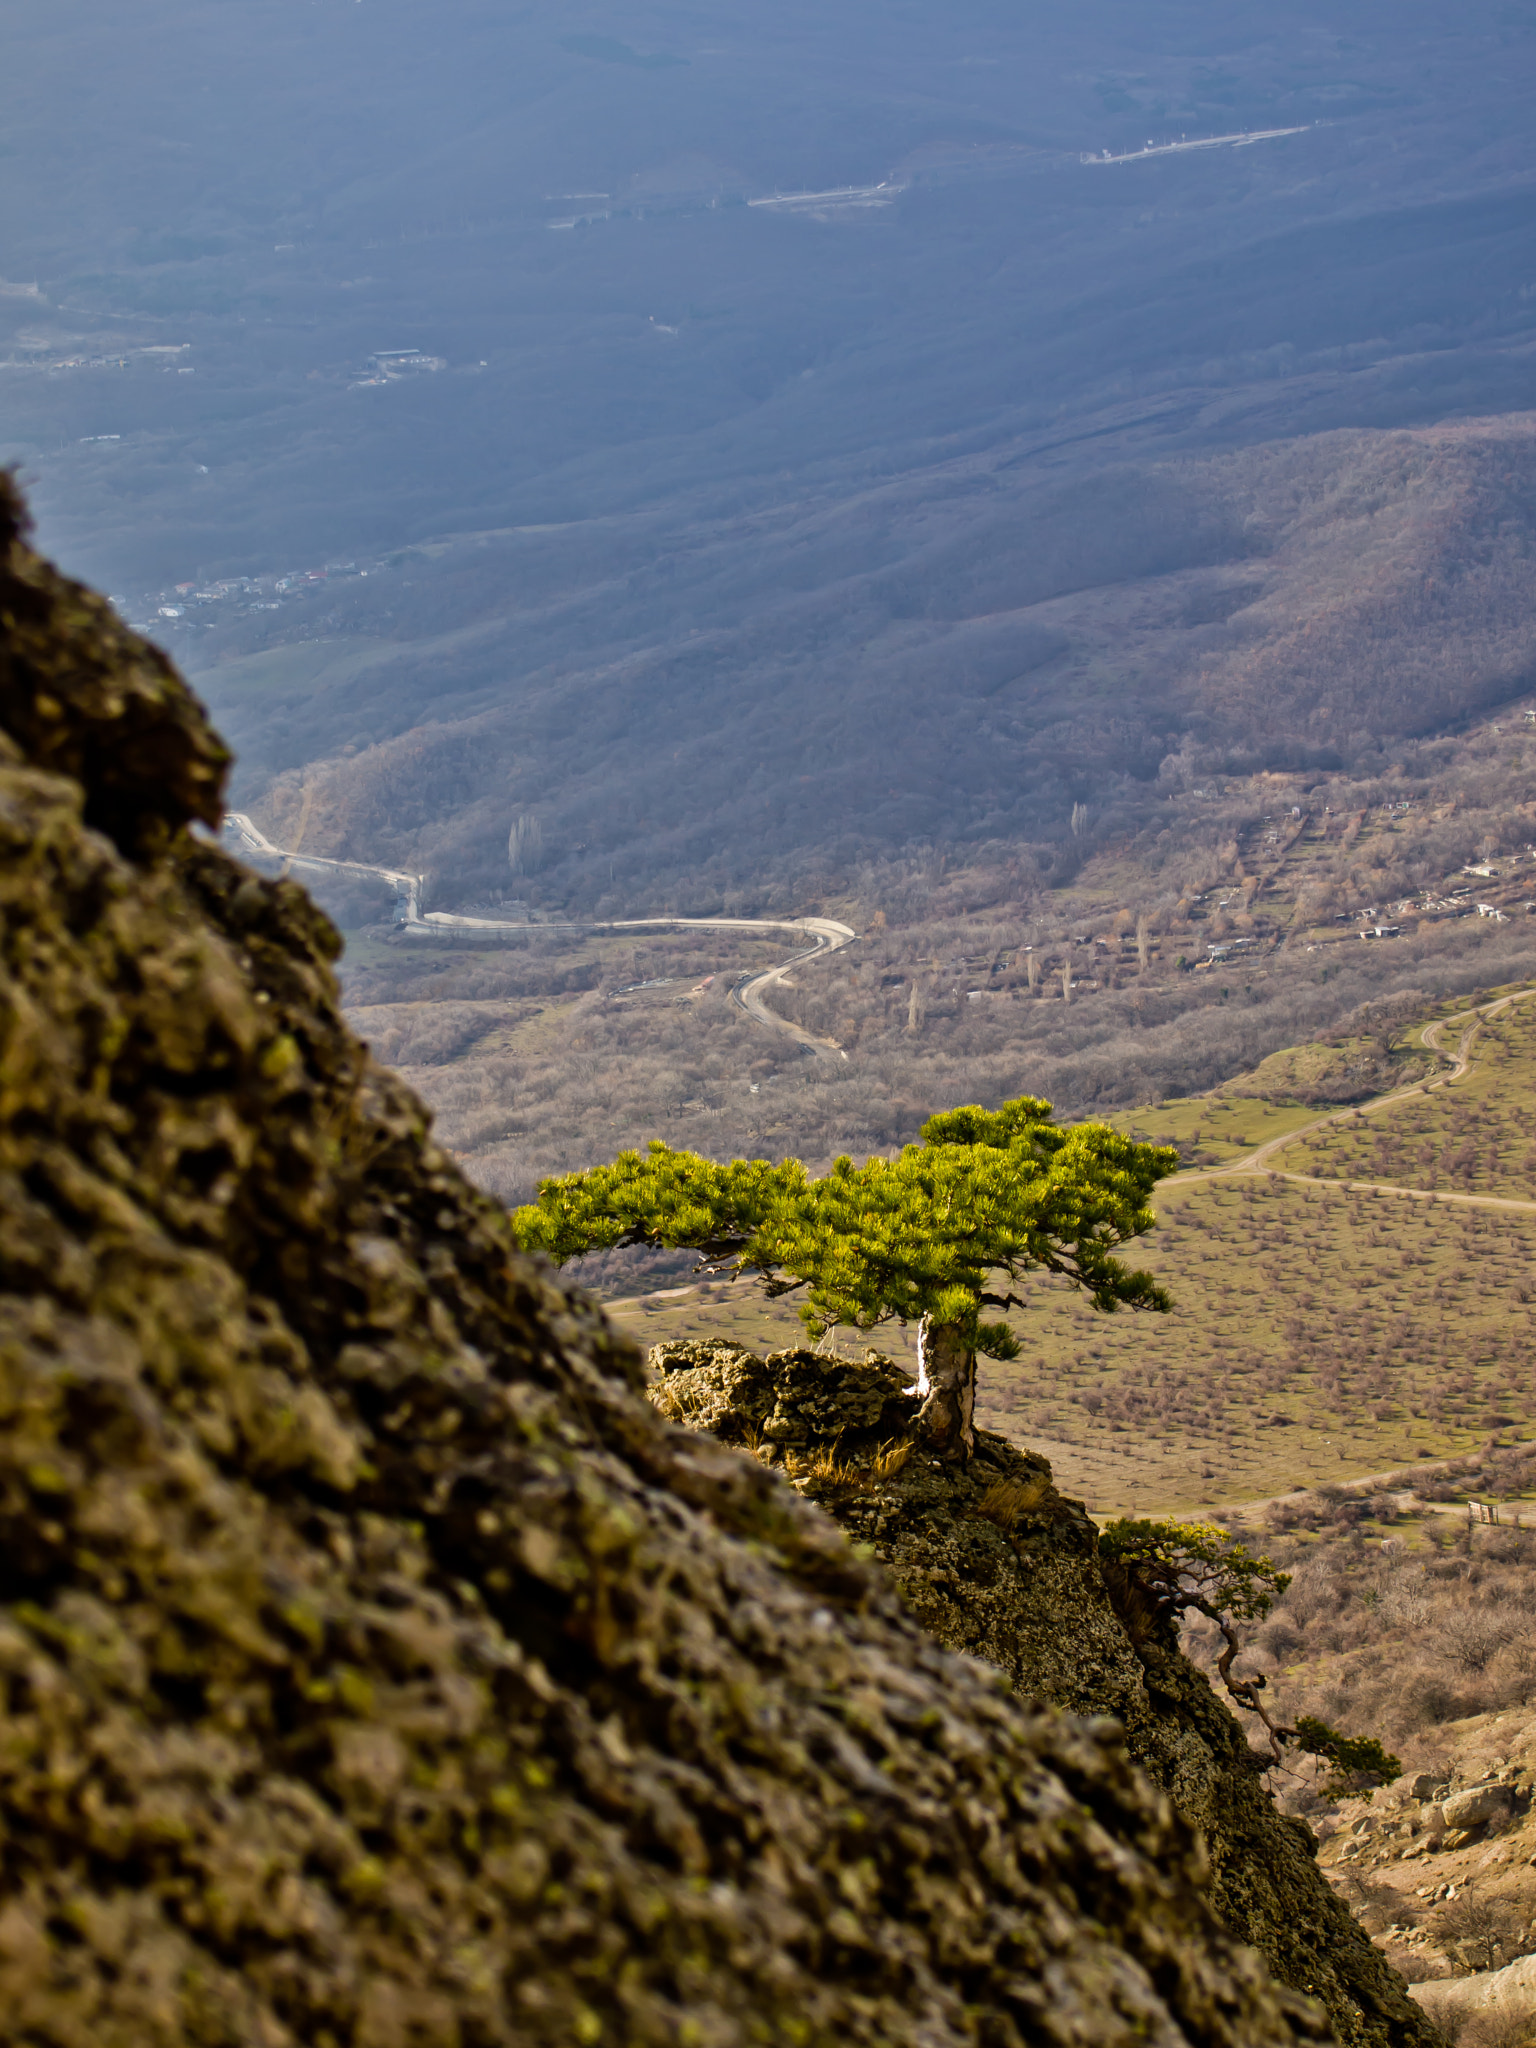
(958, 657)
(819, 387)
(378, 1666)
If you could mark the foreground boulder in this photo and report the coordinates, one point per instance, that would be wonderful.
(379, 1669)
(995, 1563)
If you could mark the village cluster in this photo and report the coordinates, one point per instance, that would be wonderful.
(188, 605)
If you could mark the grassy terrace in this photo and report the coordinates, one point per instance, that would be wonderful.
(1475, 1137)
(1321, 1332)
(1216, 1129)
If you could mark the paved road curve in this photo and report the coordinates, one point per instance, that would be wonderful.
(443, 927)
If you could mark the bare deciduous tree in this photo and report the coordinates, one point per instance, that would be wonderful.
(1385, 1020)
(1481, 1932)
(525, 844)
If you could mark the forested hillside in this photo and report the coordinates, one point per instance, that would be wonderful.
(729, 446)
(1176, 957)
(985, 652)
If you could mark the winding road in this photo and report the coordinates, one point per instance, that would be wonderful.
(1243, 141)
(1433, 1036)
(444, 927)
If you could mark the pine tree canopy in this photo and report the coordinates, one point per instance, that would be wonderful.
(986, 1195)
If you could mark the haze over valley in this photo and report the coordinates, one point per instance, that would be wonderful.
(963, 473)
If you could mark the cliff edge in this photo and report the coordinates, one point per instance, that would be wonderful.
(379, 1669)
(997, 1564)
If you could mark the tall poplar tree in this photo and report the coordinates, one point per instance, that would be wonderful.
(936, 1236)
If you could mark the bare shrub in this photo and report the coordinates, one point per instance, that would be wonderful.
(1407, 1605)
(1470, 1641)
(1494, 2030)
(1481, 1933)
(1409, 1964)
(1312, 1594)
(1279, 1636)
(1424, 1700)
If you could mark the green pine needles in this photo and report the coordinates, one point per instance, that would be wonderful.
(935, 1237)
(1196, 1567)
(1355, 1762)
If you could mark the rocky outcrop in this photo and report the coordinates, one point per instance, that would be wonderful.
(1422, 1817)
(994, 1562)
(378, 1669)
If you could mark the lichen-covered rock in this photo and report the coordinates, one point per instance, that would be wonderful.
(994, 1562)
(377, 1668)
(792, 1398)
(716, 1387)
(820, 1399)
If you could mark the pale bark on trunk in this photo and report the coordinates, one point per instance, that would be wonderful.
(946, 1386)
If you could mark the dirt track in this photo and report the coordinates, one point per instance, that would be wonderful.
(1258, 1161)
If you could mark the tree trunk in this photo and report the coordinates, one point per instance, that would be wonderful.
(946, 1386)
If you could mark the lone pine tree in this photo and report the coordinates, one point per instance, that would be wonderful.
(934, 1237)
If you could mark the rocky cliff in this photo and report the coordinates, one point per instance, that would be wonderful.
(378, 1669)
(995, 1563)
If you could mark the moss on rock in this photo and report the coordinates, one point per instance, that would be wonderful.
(378, 1669)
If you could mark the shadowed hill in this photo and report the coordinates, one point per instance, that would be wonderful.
(731, 533)
(959, 658)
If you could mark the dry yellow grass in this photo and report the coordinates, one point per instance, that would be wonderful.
(828, 1470)
(890, 1459)
(1006, 1502)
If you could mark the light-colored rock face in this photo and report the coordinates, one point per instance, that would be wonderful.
(1509, 1993)
(376, 1666)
